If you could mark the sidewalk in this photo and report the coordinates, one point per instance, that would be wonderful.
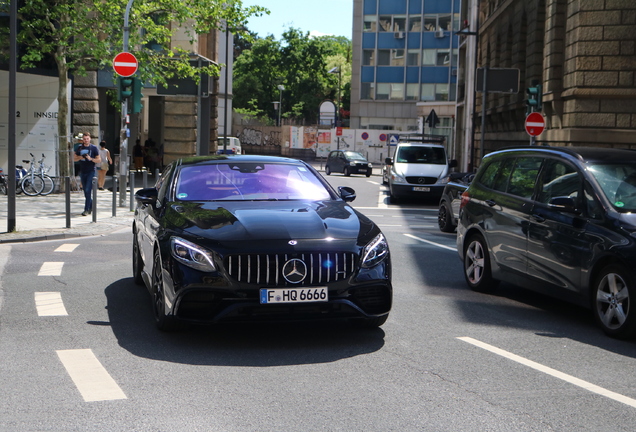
(44, 217)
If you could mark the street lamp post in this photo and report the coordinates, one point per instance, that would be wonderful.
(339, 72)
(280, 101)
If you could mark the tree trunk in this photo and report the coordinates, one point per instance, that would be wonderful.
(64, 147)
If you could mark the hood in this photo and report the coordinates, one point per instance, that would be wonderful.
(263, 220)
(420, 170)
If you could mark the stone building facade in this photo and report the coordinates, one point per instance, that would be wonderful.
(582, 52)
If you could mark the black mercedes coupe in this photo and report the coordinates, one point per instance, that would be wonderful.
(242, 238)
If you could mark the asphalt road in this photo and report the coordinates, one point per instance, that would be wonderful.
(448, 359)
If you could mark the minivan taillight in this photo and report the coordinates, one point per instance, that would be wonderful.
(465, 199)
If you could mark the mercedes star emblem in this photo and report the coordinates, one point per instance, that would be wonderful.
(294, 271)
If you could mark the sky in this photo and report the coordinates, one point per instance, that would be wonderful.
(319, 17)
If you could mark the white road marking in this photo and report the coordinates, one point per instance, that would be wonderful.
(382, 200)
(67, 247)
(373, 182)
(431, 243)
(91, 379)
(553, 372)
(50, 304)
(51, 268)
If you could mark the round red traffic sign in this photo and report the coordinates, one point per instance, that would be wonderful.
(125, 64)
(535, 124)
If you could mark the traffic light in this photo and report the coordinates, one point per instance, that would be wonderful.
(135, 102)
(124, 88)
(533, 102)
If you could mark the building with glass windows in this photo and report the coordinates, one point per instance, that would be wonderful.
(404, 63)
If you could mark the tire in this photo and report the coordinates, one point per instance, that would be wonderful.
(32, 186)
(49, 185)
(368, 173)
(327, 170)
(477, 269)
(612, 293)
(393, 199)
(137, 261)
(346, 172)
(445, 219)
(163, 322)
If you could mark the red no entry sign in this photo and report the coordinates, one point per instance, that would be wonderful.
(535, 124)
(125, 64)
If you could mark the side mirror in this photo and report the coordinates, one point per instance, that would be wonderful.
(388, 161)
(564, 204)
(346, 193)
(147, 196)
(452, 163)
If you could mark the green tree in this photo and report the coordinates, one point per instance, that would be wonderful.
(301, 64)
(83, 35)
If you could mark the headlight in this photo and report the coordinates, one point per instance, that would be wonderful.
(352, 163)
(370, 165)
(398, 178)
(375, 251)
(191, 255)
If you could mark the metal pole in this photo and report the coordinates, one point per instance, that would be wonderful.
(114, 196)
(13, 67)
(227, 74)
(123, 147)
(94, 204)
(280, 104)
(67, 196)
(484, 98)
(132, 190)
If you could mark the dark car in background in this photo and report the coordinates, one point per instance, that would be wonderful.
(347, 162)
(244, 238)
(448, 213)
(557, 220)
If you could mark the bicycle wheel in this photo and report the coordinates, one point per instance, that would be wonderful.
(32, 185)
(49, 185)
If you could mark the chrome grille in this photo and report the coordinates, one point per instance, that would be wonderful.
(422, 180)
(266, 270)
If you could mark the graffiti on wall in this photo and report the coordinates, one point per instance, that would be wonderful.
(251, 136)
(273, 138)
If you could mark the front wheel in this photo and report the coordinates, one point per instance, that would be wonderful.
(347, 172)
(32, 185)
(327, 170)
(612, 302)
(49, 185)
(137, 261)
(477, 270)
(445, 219)
(368, 173)
(162, 321)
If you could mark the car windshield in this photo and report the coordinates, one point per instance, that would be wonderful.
(351, 155)
(249, 181)
(421, 155)
(618, 183)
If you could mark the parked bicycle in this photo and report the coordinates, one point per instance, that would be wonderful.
(42, 171)
(32, 183)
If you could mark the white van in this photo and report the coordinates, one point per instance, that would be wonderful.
(233, 146)
(417, 169)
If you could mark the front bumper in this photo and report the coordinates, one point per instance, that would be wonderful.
(416, 190)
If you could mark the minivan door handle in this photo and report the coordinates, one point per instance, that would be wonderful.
(491, 203)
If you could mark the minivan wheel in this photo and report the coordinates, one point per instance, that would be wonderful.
(347, 172)
(477, 269)
(611, 300)
(444, 219)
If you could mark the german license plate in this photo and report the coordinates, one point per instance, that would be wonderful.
(294, 295)
(421, 189)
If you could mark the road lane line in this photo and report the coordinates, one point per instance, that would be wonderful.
(50, 304)
(91, 379)
(51, 268)
(67, 247)
(552, 372)
(431, 243)
(382, 199)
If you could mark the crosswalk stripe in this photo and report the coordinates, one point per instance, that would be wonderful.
(90, 377)
(49, 304)
(51, 268)
(67, 247)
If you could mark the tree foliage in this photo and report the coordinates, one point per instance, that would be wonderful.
(81, 35)
(298, 62)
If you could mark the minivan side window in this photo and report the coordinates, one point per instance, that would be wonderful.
(524, 176)
(559, 179)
